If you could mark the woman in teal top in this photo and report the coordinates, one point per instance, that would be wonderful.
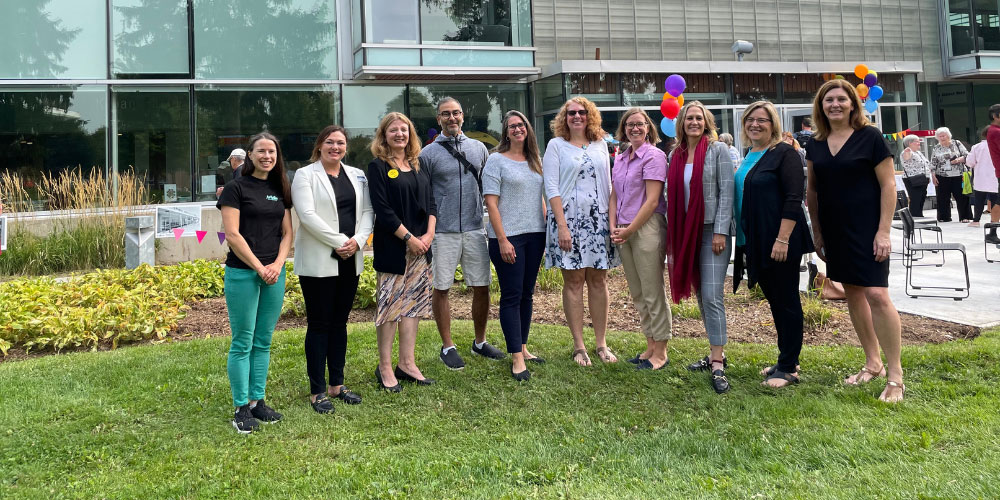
(741, 174)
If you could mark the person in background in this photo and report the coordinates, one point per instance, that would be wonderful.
(454, 163)
(335, 219)
(515, 200)
(639, 228)
(947, 166)
(405, 220)
(789, 139)
(699, 227)
(993, 142)
(852, 195)
(805, 135)
(577, 174)
(984, 179)
(771, 232)
(666, 145)
(256, 214)
(916, 173)
(231, 166)
(734, 153)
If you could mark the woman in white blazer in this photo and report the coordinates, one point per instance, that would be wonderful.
(335, 219)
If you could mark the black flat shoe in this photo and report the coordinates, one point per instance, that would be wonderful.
(406, 377)
(719, 382)
(704, 364)
(378, 378)
(322, 404)
(523, 376)
(645, 364)
(635, 360)
(348, 397)
(535, 359)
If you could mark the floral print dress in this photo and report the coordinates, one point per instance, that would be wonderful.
(589, 226)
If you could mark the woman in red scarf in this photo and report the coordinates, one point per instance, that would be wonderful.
(699, 224)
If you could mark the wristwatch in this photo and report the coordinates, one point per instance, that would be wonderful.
(407, 237)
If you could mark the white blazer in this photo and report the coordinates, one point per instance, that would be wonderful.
(319, 226)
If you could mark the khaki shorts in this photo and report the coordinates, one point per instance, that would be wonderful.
(469, 249)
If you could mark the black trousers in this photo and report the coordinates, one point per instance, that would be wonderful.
(946, 188)
(517, 285)
(780, 284)
(328, 306)
(917, 196)
(979, 201)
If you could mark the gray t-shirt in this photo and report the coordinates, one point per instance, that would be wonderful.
(521, 192)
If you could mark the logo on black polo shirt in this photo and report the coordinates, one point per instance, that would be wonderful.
(271, 197)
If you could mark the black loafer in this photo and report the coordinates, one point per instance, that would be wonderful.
(406, 377)
(523, 376)
(704, 364)
(378, 378)
(719, 381)
(636, 360)
(348, 397)
(322, 404)
(645, 364)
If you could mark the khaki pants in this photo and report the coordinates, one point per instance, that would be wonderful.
(643, 258)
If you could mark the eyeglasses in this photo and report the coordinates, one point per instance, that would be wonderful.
(574, 112)
(515, 126)
(758, 121)
(636, 125)
(446, 114)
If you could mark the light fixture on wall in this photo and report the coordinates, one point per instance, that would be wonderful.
(741, 47)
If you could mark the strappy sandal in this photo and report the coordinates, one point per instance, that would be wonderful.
(605, 355)
(902, 392)
(778, 374)
(872, 375)
(584, 358)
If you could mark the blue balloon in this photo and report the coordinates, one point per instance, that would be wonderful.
(875, 92)
(871, 106)
(669, 127)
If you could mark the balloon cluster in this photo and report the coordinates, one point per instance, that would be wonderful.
(673, 99)
(870, 90)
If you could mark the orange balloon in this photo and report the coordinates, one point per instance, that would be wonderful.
(666, 95)
(860, 71)
(862, 90)
(680, 99)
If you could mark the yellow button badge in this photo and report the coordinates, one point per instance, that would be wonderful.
(393, 173)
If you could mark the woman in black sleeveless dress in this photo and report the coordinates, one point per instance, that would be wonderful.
(852, 187)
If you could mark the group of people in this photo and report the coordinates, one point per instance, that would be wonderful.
(949, 168)
(679, 211)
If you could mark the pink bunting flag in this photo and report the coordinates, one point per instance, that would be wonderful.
(200, 235)
(222, 237)
(178, 232)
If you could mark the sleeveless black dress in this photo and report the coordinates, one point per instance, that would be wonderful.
(849, 208)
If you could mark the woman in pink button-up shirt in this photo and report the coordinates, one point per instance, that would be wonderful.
(639, 228)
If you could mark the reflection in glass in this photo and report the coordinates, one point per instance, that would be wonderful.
(45, 131)
(276, 39)
(602, 88)
(153, 138)
(150, 37)
(549, 94)
(484, 106)
(467, 22)
(364, 106)
(646, 89)
(987, 18)
(54, 39)
(397, 21)
(749, 88)
(228, 117)
(959, 24)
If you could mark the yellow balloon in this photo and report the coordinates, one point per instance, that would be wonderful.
(862, 90)
(860, 71)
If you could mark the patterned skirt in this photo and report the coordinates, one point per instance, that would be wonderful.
(405, 295)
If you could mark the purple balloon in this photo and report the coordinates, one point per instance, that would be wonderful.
(675, 85)
(871, 80)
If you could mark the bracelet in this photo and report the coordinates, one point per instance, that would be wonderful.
(779, 240)
(407, 236)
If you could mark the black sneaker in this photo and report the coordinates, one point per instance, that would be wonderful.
(265, 413)
(488, 351)
(243, 420)
(451, 359)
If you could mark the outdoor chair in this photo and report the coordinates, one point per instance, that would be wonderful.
(920, 224)
(911, 248)
(986, 230)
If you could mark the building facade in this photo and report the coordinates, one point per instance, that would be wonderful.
(168, 88)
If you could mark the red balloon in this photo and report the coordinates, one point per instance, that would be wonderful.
(670, 108)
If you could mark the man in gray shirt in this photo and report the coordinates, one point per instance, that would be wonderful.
(455, 163)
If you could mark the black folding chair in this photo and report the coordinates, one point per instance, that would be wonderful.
(920, 225)
(987, 245)
(910, 249)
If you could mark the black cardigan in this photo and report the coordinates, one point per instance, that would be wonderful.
(396, 204)
(772, 191)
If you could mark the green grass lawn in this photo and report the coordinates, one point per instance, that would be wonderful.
(153, 422)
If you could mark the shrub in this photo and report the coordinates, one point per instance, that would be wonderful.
(686, 309)
(815, 312)
(550, 279)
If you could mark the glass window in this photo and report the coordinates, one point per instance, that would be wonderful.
(150, 38)
(801, 88)
(960, 25)
(522, 23)
(54, 39)
(483, 106)
(228, 116)
(292, 39)
(602, 88)
(755, 87)
(356, 37)
(46, 131)
(153, 138)
(987, 17)
(397, 21)
(646, 89)
(364, 106)
(466, 23)
(549, 94)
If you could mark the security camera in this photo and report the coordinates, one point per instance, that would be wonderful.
(741, 47)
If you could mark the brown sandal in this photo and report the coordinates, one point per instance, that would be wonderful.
(902, 392)
(605, 355)
(864, 370)
(584, 358)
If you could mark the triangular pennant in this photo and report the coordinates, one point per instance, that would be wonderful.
(178, 232)
(222, 237)
(200, 235)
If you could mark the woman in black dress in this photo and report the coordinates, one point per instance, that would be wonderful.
(852, 185)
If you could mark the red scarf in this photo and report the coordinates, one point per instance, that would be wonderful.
(684, 226)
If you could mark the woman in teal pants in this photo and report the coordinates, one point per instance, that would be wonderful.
(257, 218)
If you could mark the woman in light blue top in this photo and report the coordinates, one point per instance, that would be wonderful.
(577, 173)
